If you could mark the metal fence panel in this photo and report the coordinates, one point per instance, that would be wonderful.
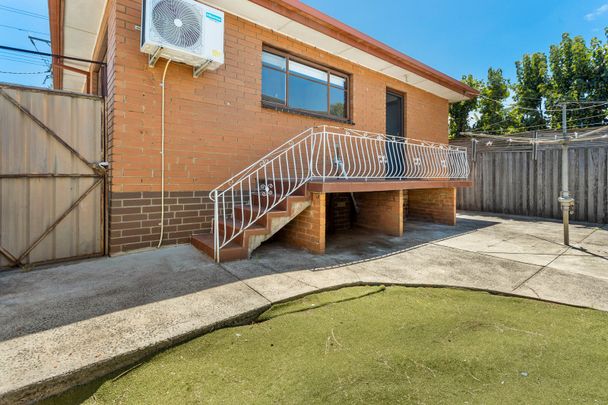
(51, 191)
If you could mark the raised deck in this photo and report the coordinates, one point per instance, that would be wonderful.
(359, 186)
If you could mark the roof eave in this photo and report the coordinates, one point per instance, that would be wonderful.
(315, 19)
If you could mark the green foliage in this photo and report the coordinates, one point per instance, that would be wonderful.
(574, 72)
(531, 86)
(493, 94)
(460, 113)
(571, 68)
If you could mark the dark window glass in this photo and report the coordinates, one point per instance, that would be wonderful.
(273, 85)
(293, 84)
(305, 94)
(337, 102)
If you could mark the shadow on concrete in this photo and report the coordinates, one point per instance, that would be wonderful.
(51, 297)
(359, 245)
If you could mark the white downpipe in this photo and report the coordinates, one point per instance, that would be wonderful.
(162, 154)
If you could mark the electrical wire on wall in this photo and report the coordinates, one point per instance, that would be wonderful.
(162, 154)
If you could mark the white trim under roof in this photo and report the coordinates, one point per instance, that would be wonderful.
(81, 26)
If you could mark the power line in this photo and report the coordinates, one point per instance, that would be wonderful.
(25, 73)
(532, 127)
(599, 104)
(10, 48)
(8, 58)
(33, 40)
(515, 106)
(518, 138)
(23, 12)
(18, 56)
(23, 30)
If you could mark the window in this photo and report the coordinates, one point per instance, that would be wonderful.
(296, 85)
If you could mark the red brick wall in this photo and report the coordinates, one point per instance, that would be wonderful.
(435, 205)
(381, 211)
(307, 230)
(339, 212)
(215, 125)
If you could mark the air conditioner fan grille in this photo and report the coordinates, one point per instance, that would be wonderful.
(177, 22)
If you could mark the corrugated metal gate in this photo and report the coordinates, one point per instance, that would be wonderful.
(52, 186)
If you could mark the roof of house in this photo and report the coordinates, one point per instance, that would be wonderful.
(71, 33)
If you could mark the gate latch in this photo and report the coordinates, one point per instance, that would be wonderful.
(101, 167)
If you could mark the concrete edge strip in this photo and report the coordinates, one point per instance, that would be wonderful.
(55, 385)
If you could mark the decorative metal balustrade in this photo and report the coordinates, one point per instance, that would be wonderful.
(322, 154)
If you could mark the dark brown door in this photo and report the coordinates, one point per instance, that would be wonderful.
(394, 127)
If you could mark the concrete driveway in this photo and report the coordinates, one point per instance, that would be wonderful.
(69, 324)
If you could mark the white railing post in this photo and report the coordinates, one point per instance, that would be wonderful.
(216, 230)
(313, 142)
(324, 150)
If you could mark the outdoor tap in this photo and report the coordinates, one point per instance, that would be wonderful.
(566, 201)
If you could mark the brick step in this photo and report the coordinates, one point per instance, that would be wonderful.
(253, 229)
(247, 212)
(232, 251)
(256, 233)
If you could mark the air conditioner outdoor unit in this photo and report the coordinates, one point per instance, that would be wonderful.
(184, 31)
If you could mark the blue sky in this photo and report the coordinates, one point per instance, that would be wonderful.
(461, 37)
(456, 37)
(18, 20)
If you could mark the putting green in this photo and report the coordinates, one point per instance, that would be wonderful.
(374, 345)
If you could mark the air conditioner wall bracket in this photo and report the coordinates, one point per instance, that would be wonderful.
(153, 58)
(198, 70)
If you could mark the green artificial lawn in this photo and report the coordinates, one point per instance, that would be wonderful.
(393, 345)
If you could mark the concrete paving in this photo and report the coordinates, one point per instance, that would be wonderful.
(69, 324)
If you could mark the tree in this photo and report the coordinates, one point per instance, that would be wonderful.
(574, 72)
(599, 78)
(530, 90)
(493, 115)
(571, 75)
(460, 113)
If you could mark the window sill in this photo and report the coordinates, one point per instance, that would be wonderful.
(272, 106)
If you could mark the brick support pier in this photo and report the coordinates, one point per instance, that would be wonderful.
(307, 230)
(434, 204)
(381, 211)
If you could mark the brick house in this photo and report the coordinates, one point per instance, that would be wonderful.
(288, 70)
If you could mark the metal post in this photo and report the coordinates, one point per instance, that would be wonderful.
(474, 149)
(216, 231)
(565, 200)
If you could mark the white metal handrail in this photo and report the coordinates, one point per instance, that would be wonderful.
(321, 154)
